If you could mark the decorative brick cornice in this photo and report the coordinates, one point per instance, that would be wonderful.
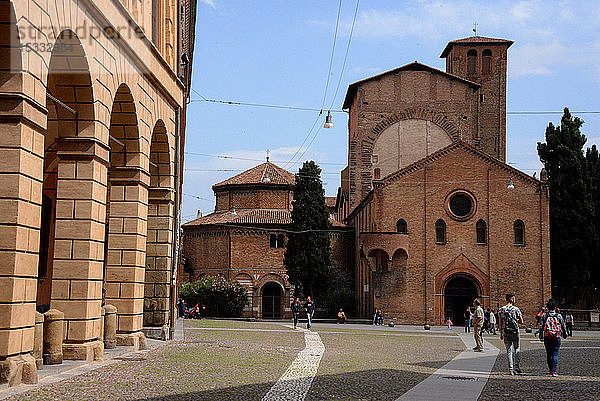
(414, 113)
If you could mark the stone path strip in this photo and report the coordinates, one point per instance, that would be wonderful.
(463, 378)
(297, 379)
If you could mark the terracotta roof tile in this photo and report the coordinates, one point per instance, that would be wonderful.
(473, 39)
(244, 216)
(266, 173)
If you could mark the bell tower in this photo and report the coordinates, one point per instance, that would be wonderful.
(483, 60)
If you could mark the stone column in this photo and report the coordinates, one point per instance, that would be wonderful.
(158, 257)
(38, 340)
(21, 175)
(126, 256)
(53, 337)
(110, 327)
(79, 244)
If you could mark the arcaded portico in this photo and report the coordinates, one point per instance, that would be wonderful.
(90, 132)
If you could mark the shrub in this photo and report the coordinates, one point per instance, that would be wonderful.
(221, 297)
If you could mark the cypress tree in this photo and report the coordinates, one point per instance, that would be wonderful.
(308, 255)
(572, 231)
(592, 159)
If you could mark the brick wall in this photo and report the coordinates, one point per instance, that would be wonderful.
(420, 198)
(253, 198)
(405, 95)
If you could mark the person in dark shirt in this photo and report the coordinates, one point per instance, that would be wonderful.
(309, 307)
(296, 306)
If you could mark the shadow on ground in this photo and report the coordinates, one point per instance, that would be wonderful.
(579, 379)
(376, 384)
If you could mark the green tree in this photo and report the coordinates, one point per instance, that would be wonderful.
(592, 159)
(308, 255)
(572, 230)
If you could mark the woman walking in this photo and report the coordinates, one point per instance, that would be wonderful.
(552, 328)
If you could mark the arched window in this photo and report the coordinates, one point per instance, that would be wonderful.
(280, 238)
(273, 241)
(440, 231)
(377, 173)
(519, 227)
(401, 227)
(486, 62)
(471, 62)
(481, 229)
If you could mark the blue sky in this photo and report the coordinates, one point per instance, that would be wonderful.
(278, 52)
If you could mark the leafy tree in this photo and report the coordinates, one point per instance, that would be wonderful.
(221, 297)
(572, 231)
(308, 255)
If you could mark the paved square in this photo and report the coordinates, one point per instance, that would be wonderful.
(231, 360)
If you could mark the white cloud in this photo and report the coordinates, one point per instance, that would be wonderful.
(210, 3)
(534, 59)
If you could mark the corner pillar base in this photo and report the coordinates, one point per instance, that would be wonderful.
(89, 352)
(18, 369)
(136, 340)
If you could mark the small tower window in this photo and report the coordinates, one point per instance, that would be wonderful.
(377, 173)
(519, 228)
(440, 231)
(401, 227)
(280, 243)
(486, 62)
(273, 241)
(481, 229)
(471, 62)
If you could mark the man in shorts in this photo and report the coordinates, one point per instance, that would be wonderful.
(509, 317)
(478, 326)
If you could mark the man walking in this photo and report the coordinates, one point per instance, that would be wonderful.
(309, 307)
(296, 306)
(509, 317)
(569, 322)
(478, 326)
(492, 322)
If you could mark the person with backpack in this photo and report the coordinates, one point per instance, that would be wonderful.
(552, 328)
(509, 317)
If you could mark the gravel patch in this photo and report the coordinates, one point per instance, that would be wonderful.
(376, 367)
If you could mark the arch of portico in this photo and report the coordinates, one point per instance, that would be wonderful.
(59, 111)
(160, 230)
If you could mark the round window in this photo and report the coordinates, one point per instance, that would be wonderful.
(460, 205)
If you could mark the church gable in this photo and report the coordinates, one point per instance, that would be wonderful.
(405, 84)
(467, 155)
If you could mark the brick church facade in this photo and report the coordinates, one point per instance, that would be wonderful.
(438, 216)
(429, 215)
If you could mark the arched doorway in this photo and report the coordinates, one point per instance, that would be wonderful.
(458, 294)
(271, 301)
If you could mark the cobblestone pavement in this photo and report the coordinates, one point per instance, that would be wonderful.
(230, 360)
(578, 368)
(364, 363)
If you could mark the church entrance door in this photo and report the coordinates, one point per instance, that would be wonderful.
(271, 301)
(458, 294)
